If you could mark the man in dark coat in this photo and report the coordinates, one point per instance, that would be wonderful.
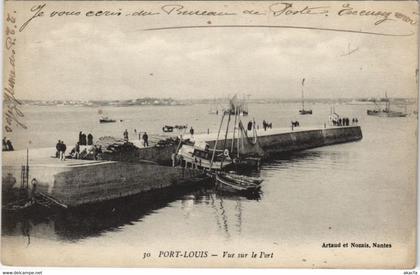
(125, 135)
(89, 139)
(83, 141)
(146, 139)
(249, 126)
(77, 150)
(4, 144)
(63, 149)
(58, 147)
(9, 145)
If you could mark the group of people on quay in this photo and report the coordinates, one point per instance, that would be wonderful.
(267, 125)
(88, 151)
(7, 145)
(61, 150)
(294, 124)
(144, 137)
(83, 140)
(343, 121)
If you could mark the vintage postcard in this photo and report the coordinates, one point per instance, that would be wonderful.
(210, 134)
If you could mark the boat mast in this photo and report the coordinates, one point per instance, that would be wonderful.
(303, 102)
(224, 144)
(234, 129)
(215, 144)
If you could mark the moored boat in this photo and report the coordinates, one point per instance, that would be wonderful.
(386, 112)
(303, 111)
(106, 120)
(201, 158)
(237, 183)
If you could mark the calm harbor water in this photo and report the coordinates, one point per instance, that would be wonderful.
(360, 191)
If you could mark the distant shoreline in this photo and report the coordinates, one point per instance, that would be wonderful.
(143, 102)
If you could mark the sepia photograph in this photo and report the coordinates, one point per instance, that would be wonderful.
(267, 134)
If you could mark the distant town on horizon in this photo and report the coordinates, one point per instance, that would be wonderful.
(151, 101)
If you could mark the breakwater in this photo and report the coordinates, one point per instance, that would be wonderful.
(277, 141)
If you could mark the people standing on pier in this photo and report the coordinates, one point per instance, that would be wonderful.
(83, 139)
(191, 131)
(62, 149)
(89, 139)
(58, 148)
(145, 140)
(94, 152)
(4, 144)
(9, 145)
(264, 125)
(125, 135)
(77, 150)
(249, 125)
(355, 121)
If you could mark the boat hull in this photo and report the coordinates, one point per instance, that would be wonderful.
(226, 184)
(305, 112)
(385, 114)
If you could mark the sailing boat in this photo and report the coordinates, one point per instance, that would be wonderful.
(387, 112)
(232, 182)
(243, 150)
(303, 111)
(241, 108)
(214, 108)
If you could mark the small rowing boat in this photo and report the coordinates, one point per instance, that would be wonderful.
(237, 183)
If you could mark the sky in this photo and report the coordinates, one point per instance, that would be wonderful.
(112, 59)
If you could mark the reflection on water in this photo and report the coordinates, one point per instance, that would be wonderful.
(310, 159)
(90, 221)
(78, 223)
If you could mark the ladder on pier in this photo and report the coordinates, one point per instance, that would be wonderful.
(48, 201)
